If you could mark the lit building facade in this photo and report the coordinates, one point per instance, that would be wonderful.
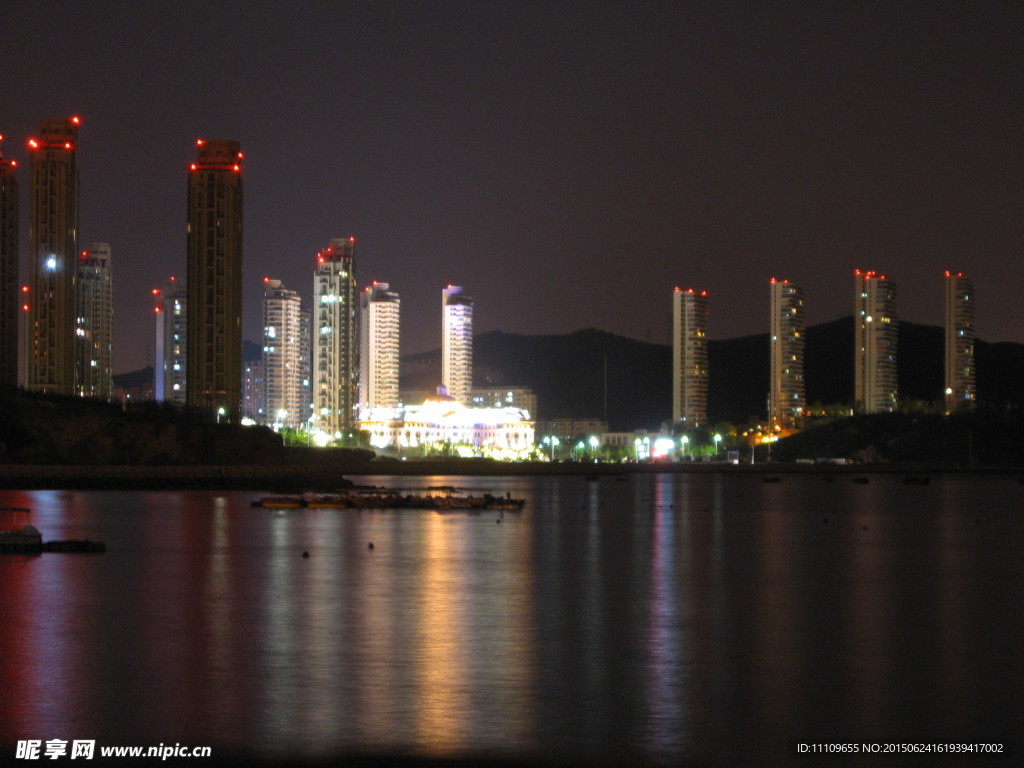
(690, 357)
(786, 399)
(94, 323)
(53, 245)
(876, 335)
(457, 343)
(523, 398)
(171, 342)
(442, 424)
(334, 340)
(379, 351)
(214, 357)
(285, 357)
(961, 391)
(9, 229)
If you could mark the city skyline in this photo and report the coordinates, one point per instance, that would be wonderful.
(734, 143)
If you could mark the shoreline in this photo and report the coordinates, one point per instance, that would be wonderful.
(327, 478)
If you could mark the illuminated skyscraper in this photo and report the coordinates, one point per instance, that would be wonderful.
(94, 323)
(786, 400)
(9, 213)
(690, 357)
(285, 357)
(876, 334)
(457, 343)
(961, 392)
(53, 246)
(334, 339)
(171, 337)
(378, 348)
(214, 356)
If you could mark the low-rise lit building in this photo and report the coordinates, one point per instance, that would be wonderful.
(442, 424)
(522, 398)
(567, 429)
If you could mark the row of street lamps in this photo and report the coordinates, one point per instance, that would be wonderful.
(641, 446)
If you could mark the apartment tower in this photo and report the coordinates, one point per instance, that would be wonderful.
(457, 343)
(876, 334)
(9, 212)
(334, 339)
(285, 357)
(378, 348)
(961, 392)
(53, 245)
(94, 323)
(690, 357)
(171, 339)
(214, 321)
(786, 399)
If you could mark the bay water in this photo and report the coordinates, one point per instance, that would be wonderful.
(643, 619)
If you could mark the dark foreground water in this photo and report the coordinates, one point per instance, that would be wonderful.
(648, 619)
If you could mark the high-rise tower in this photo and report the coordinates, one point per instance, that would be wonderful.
(334, 339)
(53, 244)
(214, 356)
(378, 348)
(690, 357)
(9, 213)
(457, 343)
(961, 392)
(285, 357)
(786, 399)
(94, 323)
(171, 339)
(876, 334)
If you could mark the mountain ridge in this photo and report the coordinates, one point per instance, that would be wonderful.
(590, 373)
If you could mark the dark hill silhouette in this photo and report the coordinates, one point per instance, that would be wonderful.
(567, 372)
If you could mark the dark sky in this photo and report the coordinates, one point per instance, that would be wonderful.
(567, 163)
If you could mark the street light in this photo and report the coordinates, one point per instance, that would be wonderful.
(553, 442)
(684, 440)
(718, 439)
(594, 442)
(220, 412)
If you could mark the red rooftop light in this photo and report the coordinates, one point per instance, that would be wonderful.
(33, 143)
(75, 120)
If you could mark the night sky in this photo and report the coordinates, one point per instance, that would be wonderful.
(567, 163)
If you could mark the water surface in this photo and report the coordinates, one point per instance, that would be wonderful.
(644, 619)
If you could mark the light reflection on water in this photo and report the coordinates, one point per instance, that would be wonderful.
(644, 618)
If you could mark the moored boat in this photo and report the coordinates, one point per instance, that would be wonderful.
(373, 497)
